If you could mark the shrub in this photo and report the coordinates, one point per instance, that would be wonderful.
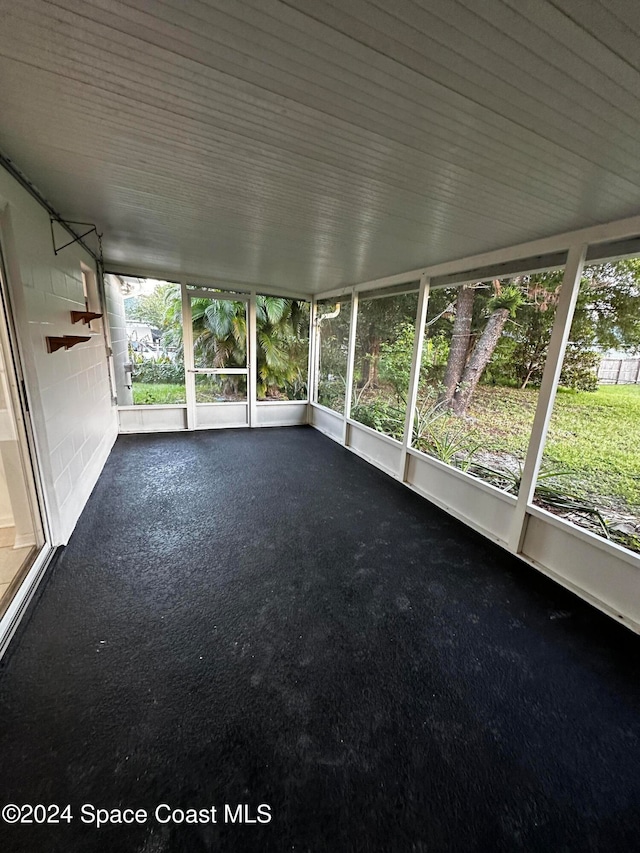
(395, 359)
(383, 417)
(331, 393)
(158, 371)
(580, 369)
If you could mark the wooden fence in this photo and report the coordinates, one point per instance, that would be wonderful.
(619, 371)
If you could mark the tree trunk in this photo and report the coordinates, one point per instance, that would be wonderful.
(459, 344)
(530, 370)
(375, 360)
(480, 357)
(365, 369)
(369, 363)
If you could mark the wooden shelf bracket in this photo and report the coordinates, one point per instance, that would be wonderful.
(85, 316)
(66, 341)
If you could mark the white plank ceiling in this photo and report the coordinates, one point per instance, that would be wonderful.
(310, 143)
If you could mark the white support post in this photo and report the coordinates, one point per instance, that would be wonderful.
(314, 356)
(350, 359)
(546, 397)
(252, 361)
(414, 376)
(187, 348)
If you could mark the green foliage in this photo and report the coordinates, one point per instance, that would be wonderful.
(331, 393)
(591, 435)
(160, 370)
(332, 358)
(380, 322)
(551, 491)
(580, 369)
(218, 388)
(503, 368)
(450, 443)
(519, 357)
(441, 434)
(396, 356)
(381, 319)
(435, 352)
(395, 360)
(509, 297)
(384, 348)
(555, 498)
(220, 340)
(591, 460)
(608, 310)
(155, 309)
(384, 408)
(283, 347)
(607, 316)
(381, 416)
(219, 332)
(594, 435)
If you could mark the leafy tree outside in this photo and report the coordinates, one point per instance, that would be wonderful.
(487, 343)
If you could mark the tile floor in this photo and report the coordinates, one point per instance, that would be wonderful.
(11, 562)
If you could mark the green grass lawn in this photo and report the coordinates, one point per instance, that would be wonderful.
(592, 453)
(149, 394)
(595, 436)
(502, 418)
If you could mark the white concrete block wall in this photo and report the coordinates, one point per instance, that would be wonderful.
(72, 415)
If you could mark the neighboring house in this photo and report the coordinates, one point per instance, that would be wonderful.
(143, 339)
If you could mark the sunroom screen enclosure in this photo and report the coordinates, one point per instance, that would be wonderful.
(446, 379)
(221, 357)
(532, 496)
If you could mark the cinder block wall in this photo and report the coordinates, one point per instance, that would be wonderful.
(69, 393)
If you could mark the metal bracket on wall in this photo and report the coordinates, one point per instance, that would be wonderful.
(77, 239)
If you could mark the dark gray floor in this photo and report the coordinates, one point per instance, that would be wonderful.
(261, 617)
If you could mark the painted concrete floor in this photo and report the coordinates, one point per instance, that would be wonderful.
(259, 618)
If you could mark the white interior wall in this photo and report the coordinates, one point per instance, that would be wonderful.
(74, 422)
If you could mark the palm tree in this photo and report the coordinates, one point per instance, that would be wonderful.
(220, 339)
(283, 346)
(219, 333)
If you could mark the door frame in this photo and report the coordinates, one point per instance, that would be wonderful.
(27, 447)
(191, 371)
